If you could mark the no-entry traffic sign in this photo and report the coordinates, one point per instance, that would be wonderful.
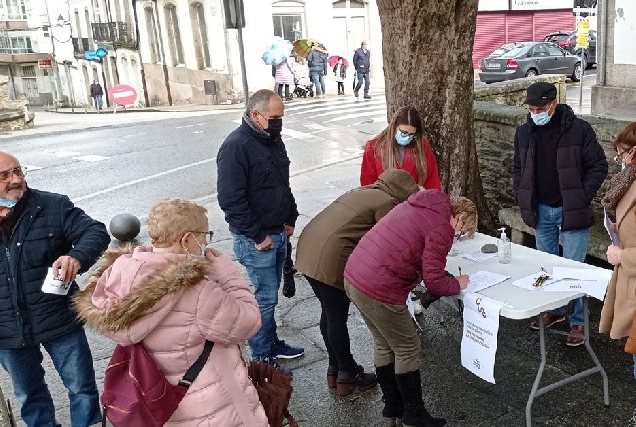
(123, 95)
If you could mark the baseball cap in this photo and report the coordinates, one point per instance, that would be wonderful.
(540, 93)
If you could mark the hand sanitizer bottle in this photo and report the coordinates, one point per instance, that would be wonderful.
(504, 248)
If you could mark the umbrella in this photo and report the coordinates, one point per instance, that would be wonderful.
(277, 52)
(302, 47)
(333, 60)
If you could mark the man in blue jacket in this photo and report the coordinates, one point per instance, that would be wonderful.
(254, 193)
(362, 63)
(317, 61)
(38, 231)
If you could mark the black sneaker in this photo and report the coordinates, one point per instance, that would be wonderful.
(270, 361)
(281, 350)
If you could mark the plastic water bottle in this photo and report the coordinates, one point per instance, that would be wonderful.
(504, 248)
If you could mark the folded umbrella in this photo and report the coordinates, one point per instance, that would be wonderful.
(333, 60)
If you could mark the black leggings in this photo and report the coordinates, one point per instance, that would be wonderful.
(333, 324)
(280, 91)
(340, 88)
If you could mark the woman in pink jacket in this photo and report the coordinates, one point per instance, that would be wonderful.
(284, 76)
(407, 245)
(172, 297)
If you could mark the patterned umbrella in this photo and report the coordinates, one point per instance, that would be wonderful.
(302, 47)
(277, 52)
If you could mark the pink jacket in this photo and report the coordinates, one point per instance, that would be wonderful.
(407, 245)
(172, 304)
(285, 73)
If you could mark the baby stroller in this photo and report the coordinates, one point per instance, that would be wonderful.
(303, 87)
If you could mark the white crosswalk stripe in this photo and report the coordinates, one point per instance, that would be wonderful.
(337, 111)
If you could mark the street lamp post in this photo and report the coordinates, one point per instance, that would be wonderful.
(56, 71)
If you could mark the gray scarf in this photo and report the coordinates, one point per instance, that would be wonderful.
(253, 125)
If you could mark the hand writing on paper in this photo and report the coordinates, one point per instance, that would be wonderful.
(614, 255)
(463, 281)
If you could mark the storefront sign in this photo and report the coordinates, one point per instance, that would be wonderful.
(45, 64)
(492, 5)
(541, 4)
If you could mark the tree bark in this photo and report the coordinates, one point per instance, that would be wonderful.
(427, 48)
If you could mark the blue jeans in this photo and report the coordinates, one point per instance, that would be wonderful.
(98, 101)
(73, 361)
(265, 269)
(319, 82)
(367, 82)
(574, 242)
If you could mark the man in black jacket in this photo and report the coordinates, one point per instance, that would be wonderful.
(41, 231)
(558, 168)
(254, 193)
(362, 63)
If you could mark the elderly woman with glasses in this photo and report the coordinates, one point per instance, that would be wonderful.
(402, 145)
(172, 297)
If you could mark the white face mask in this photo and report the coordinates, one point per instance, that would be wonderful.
(202, 247)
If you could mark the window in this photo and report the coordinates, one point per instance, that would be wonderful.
(200, 33)
(288, 27)
(151, 28)
(28, 71)
(174, 35)
(15, 45)
(16, 9)
(554, 51)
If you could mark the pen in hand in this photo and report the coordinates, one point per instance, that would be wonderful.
(460, 270)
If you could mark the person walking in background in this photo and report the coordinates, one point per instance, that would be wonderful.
(409, 244)
(317, 60)
(42, 232)
(362, 64)
(284, 76)
(558, 167)
(97, 94)
(321, 254)
(340, 71)
(255, 196)
(173, 296)
(401, 145)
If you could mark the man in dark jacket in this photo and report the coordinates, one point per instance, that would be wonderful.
(558, 168)
(41, 231)
(97, 94)
(362, 63)
(254, 193)
(317, 61)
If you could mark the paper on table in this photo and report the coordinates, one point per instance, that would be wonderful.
(482, 280)
(610, 228)
(528, 281)
(595, 274)
(478, 256)
(595, 289)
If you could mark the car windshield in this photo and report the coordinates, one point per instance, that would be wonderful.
(555, 38)
(509, 50)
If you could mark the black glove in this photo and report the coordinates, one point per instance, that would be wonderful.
(289, 285)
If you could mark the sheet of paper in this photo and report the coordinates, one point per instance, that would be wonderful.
(479, 339)
(610, 229)
(482, 280)
(595, 289)
(478, 256)
(528, 281)
(593, 274)
(411, 308)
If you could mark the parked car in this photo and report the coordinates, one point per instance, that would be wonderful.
(567, 40)
(525, 59)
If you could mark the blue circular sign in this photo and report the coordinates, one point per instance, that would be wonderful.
(100, 52)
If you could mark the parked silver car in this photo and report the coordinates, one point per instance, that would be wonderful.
(525, 59)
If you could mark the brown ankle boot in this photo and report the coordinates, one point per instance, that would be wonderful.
(348, 381)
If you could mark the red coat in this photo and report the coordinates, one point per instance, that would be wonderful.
(407, 245)
(372, 165)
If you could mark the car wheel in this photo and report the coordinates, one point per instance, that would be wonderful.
(576, 75)
(532, 72)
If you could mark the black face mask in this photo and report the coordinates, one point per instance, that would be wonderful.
(274, 127)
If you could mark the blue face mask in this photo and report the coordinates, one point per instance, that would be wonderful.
(8, 203)
(541, 119)
(403, 139)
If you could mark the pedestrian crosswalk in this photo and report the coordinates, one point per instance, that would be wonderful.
(344, 111)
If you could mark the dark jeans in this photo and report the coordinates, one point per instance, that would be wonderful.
(319, 82)
(333, 324)
(280, 91)
(367, 82)
(340, 88)
(73, 361)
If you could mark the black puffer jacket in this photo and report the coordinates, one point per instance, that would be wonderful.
(253, 183)
(581, 165)
(51, 226)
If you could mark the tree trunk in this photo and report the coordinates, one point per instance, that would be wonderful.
(427, 49)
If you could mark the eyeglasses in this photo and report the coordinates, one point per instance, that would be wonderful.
(208, 234)
(20, 172)
(617, 158)
(404, 133)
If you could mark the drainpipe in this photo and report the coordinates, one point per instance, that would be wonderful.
(163, 54)
(141, 62)
(602, 63)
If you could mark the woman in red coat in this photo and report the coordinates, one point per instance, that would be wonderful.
(395, 148)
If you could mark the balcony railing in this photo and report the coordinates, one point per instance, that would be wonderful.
(120, 34)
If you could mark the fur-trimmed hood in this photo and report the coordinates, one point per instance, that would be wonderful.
(130, 284)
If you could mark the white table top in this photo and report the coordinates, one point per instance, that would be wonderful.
(521, 303)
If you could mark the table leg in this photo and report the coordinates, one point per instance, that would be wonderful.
(537, 380)
(591, 352)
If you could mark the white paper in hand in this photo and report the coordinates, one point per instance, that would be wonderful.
(610, 229)
(55, 286)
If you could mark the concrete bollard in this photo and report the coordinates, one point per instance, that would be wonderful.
(124, 227)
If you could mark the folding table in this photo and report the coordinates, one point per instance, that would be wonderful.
(523, 304)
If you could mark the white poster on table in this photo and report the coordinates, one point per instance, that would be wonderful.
(479, 340)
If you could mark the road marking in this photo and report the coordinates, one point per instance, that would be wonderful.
(144, 179)
(31, 168)
(355, 116)
(370, 108)
(64, 153)
(303, 136)
(198, 131)
(316, 127)
(190, 126)
(334, 107)
(91, 158)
